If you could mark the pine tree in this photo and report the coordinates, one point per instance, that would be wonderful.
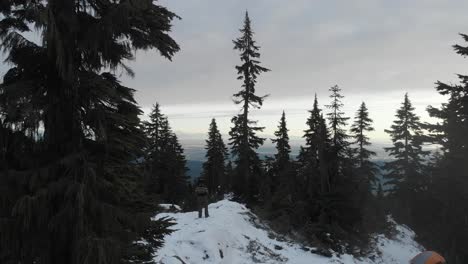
(243, 138)
(311, 134)
(282, 145)
(363, 124)
(78, 198)
(447, 190)
(281, 179)
(214, 168)
(309, 156)
(405, 172)
(365, 171)
(339, 137)
(177, 185)
(340, 211)
(324, 144)
(268, 182)
(154, 129)
(165, 159)
(406, 135)
(279, 173)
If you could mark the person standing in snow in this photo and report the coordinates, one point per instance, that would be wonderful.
(202, 197)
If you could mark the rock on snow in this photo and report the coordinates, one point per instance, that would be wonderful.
(232, 234)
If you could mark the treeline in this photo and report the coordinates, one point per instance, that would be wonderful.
(326, 194)
(330, 196)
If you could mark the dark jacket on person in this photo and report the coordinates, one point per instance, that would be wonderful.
(202, 199)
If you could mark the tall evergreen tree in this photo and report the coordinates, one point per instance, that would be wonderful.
(176, 189)
(405, 172)
(406, 134)
(447, 189)
(365, 171)
(155, 132)
(214, 168)
(243, 138)
(165, 159)
(363, 124)
(280, 176)
(339, 137)
(154, 129)
(309, 155)
(78, 199)
(268, 182)
(339, 198)
(283, 149)
(311, 134)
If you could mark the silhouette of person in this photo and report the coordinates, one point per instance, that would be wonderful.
(202, 197)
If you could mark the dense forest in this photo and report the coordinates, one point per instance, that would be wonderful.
(81, 174)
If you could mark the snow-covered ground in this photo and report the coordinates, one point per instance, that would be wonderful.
(169, 207)
(232, 234)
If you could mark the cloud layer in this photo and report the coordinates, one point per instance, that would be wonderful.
(376, 50)
(365, 46)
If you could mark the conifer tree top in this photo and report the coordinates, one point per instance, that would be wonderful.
(282, 140)
(250, 67)
(337, 117)
(407, 123)
(362, 122)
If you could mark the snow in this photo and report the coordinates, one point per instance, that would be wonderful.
(232, 234)
(170, 207)
(400, 249)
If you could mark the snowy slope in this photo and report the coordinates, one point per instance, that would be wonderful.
(232, 234)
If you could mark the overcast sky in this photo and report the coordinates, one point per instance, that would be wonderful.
(375, 50)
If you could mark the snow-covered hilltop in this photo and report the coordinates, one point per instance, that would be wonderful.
(232, 234)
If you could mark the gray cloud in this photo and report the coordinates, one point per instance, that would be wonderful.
(365, 46)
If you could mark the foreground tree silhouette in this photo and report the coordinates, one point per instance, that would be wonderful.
(243, 138)
(77, 198)
(446, 188)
